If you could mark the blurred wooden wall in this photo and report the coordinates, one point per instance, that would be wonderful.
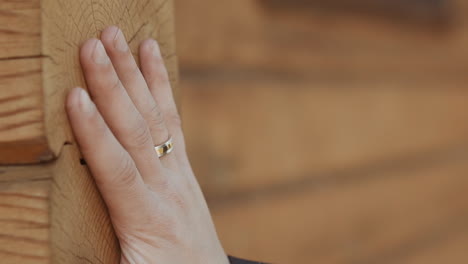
(330, 133)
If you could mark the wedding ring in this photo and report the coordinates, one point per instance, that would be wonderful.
(164, 148)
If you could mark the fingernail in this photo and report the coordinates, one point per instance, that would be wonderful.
(156, 49)
(84, 101)
(119, 41)
(99, 54)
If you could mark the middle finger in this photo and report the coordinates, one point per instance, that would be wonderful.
(117, 109)
(136, 86)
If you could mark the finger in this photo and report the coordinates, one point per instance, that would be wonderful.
(135, 84)
(157, 77)
(117, 109)
(113, 169)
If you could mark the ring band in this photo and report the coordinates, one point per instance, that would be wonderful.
(164, 148)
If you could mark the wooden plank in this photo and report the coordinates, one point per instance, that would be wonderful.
(20, 27)
(54, 214)
(33, 123)
(368, 218)
(21, 112)
(258, 133)
(27, 101)
(24, 219)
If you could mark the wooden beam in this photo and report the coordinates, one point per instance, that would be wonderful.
(39, 58)
(20, 29)
(22, 128)
(54, 214)
(24, 217)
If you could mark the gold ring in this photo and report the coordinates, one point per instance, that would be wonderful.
(164, 148)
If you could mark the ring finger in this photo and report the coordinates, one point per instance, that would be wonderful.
(136, 86)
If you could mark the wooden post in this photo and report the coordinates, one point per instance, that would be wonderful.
(50, 210)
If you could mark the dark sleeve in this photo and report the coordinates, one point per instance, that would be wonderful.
(233, 260)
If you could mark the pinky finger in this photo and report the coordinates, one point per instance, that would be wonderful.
(112, 167)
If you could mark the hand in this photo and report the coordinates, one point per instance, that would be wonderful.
(156, 206)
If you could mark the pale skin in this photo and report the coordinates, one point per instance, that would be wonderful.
(156, 205)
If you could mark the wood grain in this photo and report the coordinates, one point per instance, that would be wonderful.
(22, 124)
(20, 28)
(386, 218)
(54, 214)
(36, 124)
(80, 228)
(24, 219)
(66, 24)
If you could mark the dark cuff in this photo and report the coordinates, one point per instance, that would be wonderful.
(233, 260)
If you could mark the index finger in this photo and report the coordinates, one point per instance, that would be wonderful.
(113, 169)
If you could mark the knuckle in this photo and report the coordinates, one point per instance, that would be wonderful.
(115, 85)
(107, 87)
(106, 78)
(126, 173)
(156, 120)
(131, 74)
(174, 120)
(140, 135)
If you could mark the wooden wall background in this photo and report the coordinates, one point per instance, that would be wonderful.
(330, 131)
